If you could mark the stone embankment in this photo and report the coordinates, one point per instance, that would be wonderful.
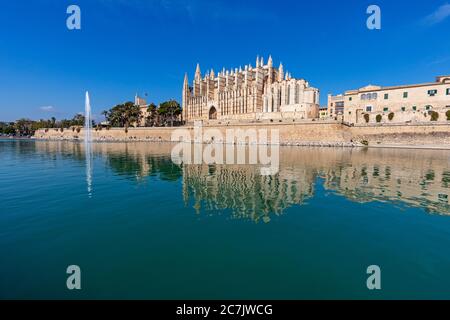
(318, 134)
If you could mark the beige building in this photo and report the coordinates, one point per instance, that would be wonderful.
(143, 106)
(335, 106)
(250, 93)
(414, 103)
(323, 113)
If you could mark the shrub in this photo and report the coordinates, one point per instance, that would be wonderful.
(73, 129)
(62, 129)
(78, 130)
(391, 116)
(378, 118)
(126, 130)
(448, 115)
(434, 116)
(365, 142)
(366, 117)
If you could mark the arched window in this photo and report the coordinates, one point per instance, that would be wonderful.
(297, 93)
(212, 113)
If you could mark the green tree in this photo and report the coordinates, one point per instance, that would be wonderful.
(378, 118)
(391, 116)
(152, 118)
(24, 126)
(434, 116)
(169, 111)
(78, 120)
(124, 115)
(9, 129)
(366, 117)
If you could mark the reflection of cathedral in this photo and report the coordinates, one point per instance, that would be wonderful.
(415, 178)
(419, 179)
(244, 190)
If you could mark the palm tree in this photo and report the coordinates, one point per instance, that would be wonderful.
(77, 120)
(152, 115)
(131, 114)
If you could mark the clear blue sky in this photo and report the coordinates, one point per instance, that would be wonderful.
(129, 46)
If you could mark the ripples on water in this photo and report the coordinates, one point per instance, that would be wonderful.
(142, 204)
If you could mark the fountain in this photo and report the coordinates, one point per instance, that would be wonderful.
(88, 143)
(87, 120)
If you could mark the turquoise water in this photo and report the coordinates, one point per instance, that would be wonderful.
(151, 229)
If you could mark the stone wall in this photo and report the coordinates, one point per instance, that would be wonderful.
(113, 134)
(437, 135)
(298, 133)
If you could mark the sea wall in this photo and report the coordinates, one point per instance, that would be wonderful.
(420, 135)
(306, 133)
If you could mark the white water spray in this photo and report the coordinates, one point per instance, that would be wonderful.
(87, 120)
(88, 142)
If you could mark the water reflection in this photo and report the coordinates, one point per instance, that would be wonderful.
(245, 191)
(136, 162)
(88, 144)
(89, 166)
(418, 178)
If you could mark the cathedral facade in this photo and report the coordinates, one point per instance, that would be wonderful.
(250, 93)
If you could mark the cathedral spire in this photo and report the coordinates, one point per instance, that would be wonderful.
(186, 81)
(280, 72)
(198, 74)
(271, 71)
(257, 61)
(185, 97)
